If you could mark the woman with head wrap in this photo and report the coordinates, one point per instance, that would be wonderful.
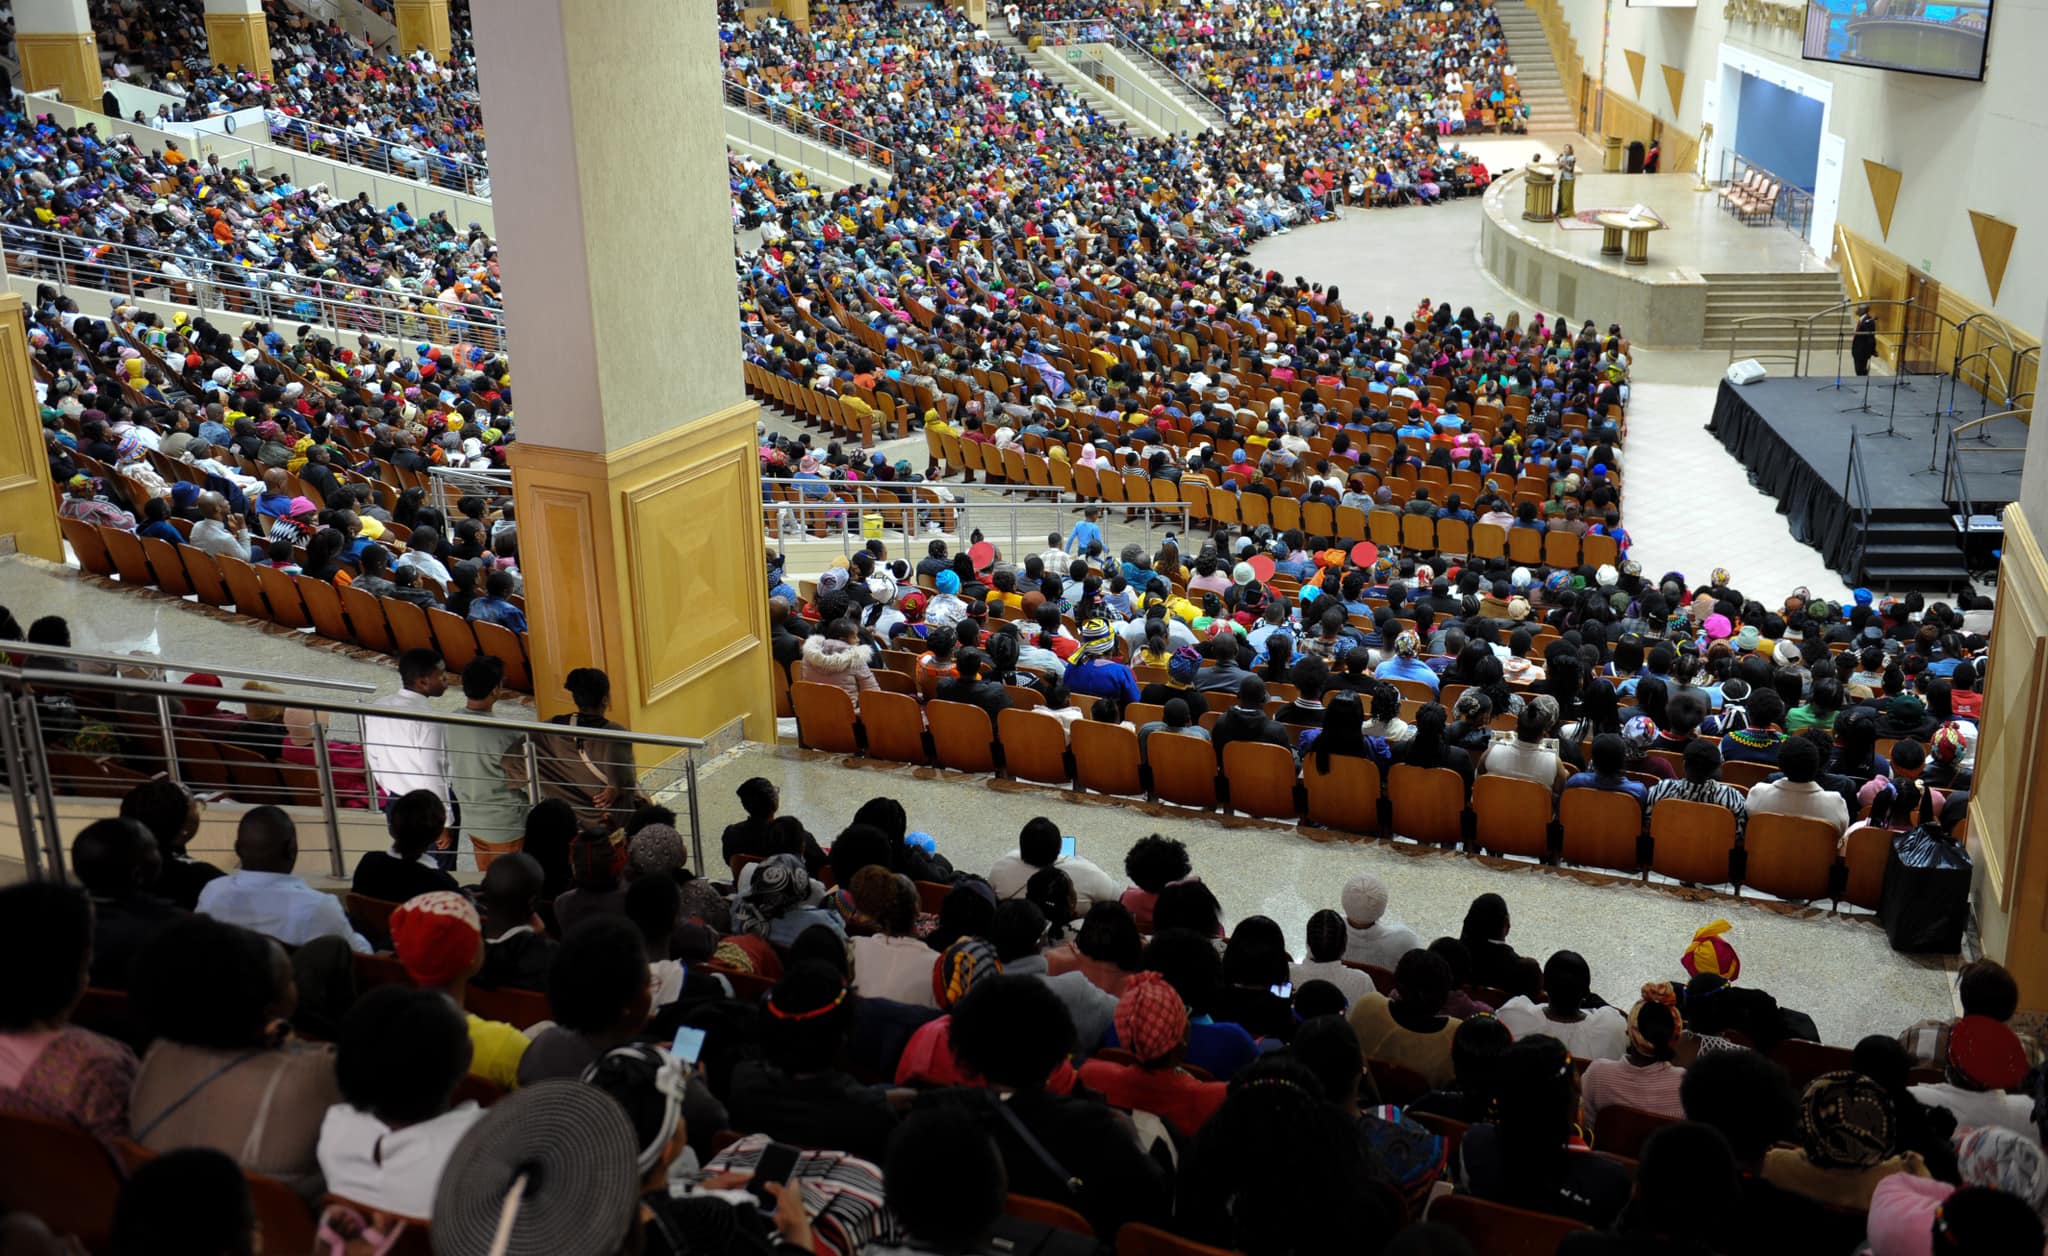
(1644, 1078)
(1847, 1130)
(1152, 1025)
(1903, 1208)
(776, 903)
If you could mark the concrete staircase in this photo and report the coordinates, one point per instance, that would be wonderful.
(1158, 80)
(1735, 296)
(1549, 108)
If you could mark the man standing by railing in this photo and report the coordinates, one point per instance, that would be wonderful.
(409, 754)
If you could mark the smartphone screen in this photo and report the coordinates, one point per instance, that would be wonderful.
(1067, 847)
(778, 1163)
(1285, 989)
(688, 1045)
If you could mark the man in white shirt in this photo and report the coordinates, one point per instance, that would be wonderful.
(1371, 937)
(1798, 793)
(1038, 847)
(264, 896)
(410, 754)
(220, 530)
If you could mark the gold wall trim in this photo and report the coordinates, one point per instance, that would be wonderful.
(2002, 800)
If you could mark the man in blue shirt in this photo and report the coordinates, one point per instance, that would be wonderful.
(495, 606)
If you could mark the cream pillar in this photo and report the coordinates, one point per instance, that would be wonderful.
(2009, 796)
(237, 37)
(28, 508)
(423, 24)
(55, 40)
(635, 471)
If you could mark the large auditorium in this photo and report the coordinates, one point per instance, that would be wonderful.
(1409, 593)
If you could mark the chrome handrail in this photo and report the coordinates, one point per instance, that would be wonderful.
(170, 665)
(29, 768)
(65, 259)
(1853, 480)
(864, 147)
(835, 516)
(344, 145)
(1127, 43)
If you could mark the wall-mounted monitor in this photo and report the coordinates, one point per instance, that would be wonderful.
(1915, 36)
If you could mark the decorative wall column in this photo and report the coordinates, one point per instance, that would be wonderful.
(2009, 795)
(28, 508)
(635, 472)
(237, 37)
(55, 40)
(423, 24)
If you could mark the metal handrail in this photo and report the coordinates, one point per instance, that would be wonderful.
(497, 480)
(169, 665)
(65, 260)
(863, 487)
(1796, 201)
(27, 750)
(1955, 473)
(1793, 323)
(1127, 92)
(1856, 487)
(1127, 44)
(864, 147)
(835, 516)
(346, 145)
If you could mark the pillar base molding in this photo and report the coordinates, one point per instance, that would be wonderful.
(2008, 800)
(648, 562)
(239, 40)
(423, 24)
(68, 62)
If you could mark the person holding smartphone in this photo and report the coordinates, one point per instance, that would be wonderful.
(1041, 846)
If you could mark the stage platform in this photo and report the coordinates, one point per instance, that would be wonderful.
(1793, 436)
(1665, 303)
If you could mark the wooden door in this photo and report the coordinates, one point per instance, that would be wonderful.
(1920, 337)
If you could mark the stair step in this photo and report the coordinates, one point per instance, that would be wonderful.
(1918, 578)
(1894, 556)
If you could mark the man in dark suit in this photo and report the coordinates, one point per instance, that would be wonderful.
(1863, 346)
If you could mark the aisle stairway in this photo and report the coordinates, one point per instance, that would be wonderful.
(1158, 80)
(1735, 296)
(1549, 108)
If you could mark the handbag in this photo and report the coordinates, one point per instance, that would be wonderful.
(1020, 1236)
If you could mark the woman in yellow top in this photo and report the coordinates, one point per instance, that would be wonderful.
(439, 939)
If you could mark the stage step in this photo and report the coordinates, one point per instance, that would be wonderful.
(1550, 109)
(1733, 296)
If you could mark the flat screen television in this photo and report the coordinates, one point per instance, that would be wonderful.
(1914, 36)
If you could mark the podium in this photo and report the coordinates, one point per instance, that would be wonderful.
(1537, 183)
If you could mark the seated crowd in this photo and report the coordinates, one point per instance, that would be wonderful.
(933, 1044)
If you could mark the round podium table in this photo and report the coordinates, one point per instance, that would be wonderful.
(1627, 236)
(1537, 184)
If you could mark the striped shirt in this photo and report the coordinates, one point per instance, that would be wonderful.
(1714, 793)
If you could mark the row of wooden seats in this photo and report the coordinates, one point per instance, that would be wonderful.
(828, 410)
(1786, 856)
(386, 625)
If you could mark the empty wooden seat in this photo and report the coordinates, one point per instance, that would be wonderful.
(1789, 856)
(203, 569)
(1034, 747)
(366, 620)
(1602, 828)
(1865, 852)
(1512, 816)
(1261, 779)
(323, 606)
(1621, 1130)
(88, 545)
(1692, 841)
(408, 623)
(1183, 769)
(1498, 1230)
(1429, 803)
(1346, 797)
(169, 566)
(503, 644)
(962, 736)
(895, 726)
(453, 637)
(129, 557)
(1106, 758)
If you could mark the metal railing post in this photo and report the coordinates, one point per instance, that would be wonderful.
(36, 758)
(329, 808)
(19, 771)
(696, 816)
(170, 739)
(532, 756)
